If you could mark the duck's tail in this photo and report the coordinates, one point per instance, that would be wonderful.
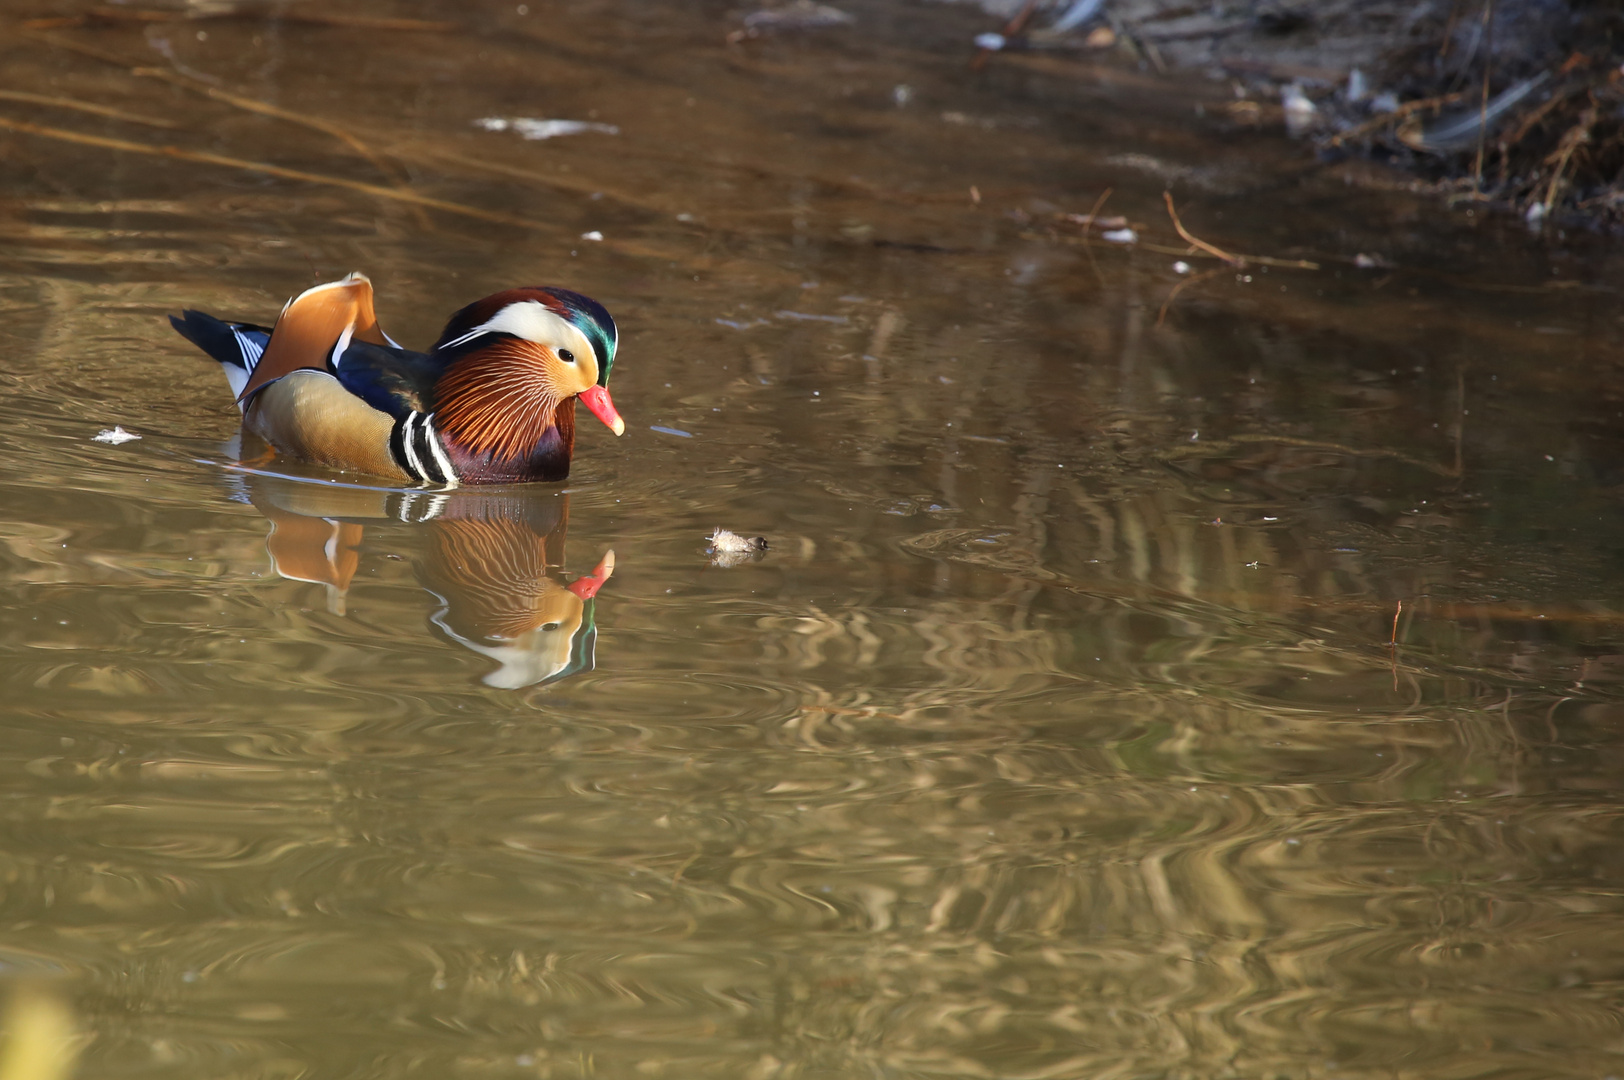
(237, 346)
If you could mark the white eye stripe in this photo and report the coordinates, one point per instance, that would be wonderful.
(469, 336)
(530, 320)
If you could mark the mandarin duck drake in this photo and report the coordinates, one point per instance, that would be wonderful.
(492, 402)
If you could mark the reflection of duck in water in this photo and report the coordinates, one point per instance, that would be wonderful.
(492, 402)
(495, 561)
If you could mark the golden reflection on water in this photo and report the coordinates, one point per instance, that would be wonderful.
(1058, 733)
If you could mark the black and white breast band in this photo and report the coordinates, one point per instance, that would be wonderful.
(416, 448)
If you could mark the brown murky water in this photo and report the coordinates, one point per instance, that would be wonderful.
(1057, 735)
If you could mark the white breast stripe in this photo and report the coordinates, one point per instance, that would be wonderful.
(413, 464)
(439, 453)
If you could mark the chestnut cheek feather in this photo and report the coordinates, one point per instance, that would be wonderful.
(499, 400)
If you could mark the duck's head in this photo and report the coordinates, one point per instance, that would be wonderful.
(516, 357)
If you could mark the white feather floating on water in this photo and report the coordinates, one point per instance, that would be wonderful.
(114, 435)
(722, 540)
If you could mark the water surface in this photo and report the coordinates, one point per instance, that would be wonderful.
(1071, 726)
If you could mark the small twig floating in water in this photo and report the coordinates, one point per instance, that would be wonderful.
(1392, 642)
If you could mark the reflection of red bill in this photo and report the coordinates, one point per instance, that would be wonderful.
(596, 398)
(587, 587)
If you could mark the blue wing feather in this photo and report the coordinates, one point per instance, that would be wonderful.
(394, 381)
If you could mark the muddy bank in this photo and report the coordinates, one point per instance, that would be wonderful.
(1516, 104)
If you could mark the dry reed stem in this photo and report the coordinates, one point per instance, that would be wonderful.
(203, 158)
(84, 106)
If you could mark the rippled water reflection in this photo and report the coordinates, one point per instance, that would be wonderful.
(1058, 734)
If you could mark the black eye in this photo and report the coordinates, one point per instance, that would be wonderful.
(549, 627)
(566, 356)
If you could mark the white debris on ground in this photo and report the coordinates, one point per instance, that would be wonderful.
(531, 128)
(114, 435)
(1120, 236)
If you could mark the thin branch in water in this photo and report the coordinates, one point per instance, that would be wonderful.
(202, 158)
(85, 107)
(106, 14)
(1392, 642)
(1178, 226)
(1237, 261)
(393, 170)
